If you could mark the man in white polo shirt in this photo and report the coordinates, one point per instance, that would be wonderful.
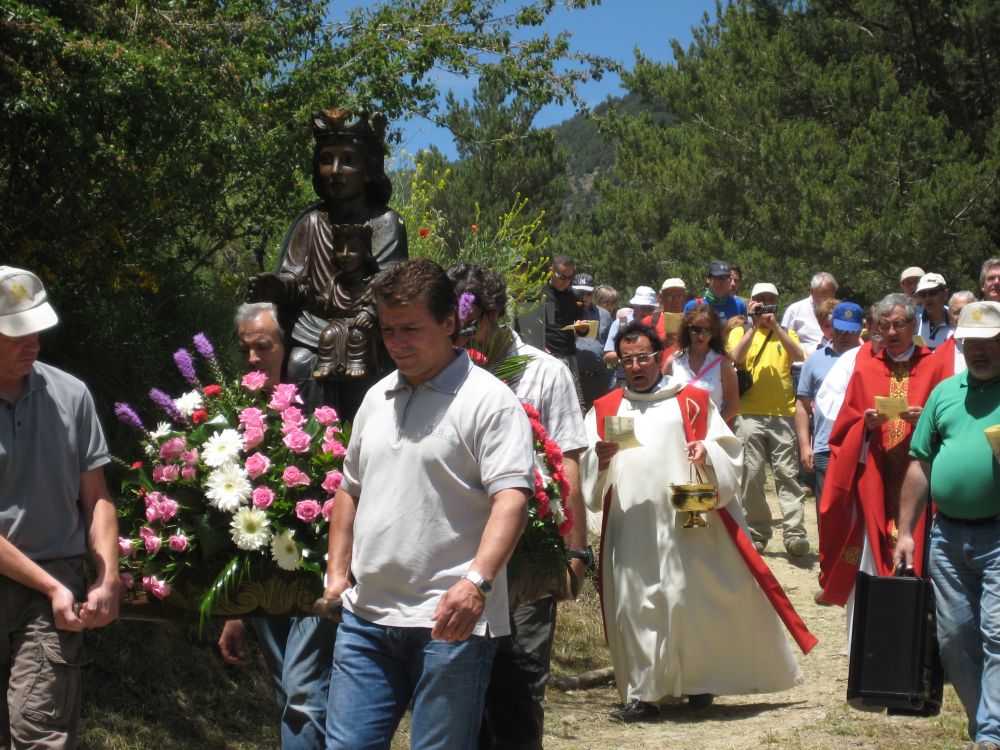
(436, 483)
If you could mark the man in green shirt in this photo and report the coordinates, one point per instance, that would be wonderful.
(951, 439)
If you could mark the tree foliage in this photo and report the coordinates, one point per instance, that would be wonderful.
(855, 136)
(148, 146)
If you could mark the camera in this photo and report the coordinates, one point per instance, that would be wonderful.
(765, 309)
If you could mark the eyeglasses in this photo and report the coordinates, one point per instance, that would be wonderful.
(893, 325)
(696, 330)
(642, 359)
(561, 275)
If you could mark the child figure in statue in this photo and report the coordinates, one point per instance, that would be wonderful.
(346, 345)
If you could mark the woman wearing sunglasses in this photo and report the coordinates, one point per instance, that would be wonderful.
(701, 359)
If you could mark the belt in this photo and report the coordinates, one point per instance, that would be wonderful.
(970, 521)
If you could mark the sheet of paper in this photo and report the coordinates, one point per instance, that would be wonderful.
(621, 430)
(918, 340)
(591, 328)
(891, 406)
(672, 322)
(993, 437)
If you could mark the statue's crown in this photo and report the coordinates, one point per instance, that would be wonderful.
(347, 231)
(337, 122)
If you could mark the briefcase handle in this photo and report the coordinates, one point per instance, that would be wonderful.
(901, 569)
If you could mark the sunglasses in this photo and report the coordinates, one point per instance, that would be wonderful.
(642, 359)
(561, 275)
(696, 330)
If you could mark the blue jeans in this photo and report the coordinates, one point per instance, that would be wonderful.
(298, 652)
(821, 461)
(377, 670)
(965, 570)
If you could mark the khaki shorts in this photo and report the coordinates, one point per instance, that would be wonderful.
(39, 664)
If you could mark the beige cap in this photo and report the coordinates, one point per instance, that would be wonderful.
(673, 284)
(24, 305)
(978, 320)
(909, 273)
(763, 287)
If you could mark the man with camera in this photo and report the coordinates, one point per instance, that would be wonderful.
(765, 421)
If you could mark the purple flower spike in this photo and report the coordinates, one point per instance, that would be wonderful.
(185, 363)
(166, 403)
(127, 415)
(465, 303)
(204, 346)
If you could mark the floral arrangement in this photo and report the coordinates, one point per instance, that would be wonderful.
(539, 566)
(236, 482)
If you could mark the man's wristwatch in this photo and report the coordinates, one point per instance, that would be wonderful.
(485, 587)
(586, 554)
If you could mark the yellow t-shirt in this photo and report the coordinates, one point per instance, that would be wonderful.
(772, 394)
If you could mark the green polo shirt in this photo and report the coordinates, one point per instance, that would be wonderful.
(965, 477)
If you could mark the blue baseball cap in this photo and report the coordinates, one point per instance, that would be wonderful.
(849, 317)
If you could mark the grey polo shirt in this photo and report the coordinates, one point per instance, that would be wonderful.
(48, 438)
(423, 463)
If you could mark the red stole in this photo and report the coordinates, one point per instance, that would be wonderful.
(947, 354)
(694, 407)
(859, 498)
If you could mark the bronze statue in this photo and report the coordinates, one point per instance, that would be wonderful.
(349, 179)
(345, 345)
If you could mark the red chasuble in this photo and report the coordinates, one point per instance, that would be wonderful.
(861, 498)
(946, 353)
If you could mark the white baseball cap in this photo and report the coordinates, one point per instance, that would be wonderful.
(673, 283)
(909, 273)
(644, 297)
(24, 305)
(763, 287)
(978, 320)
(930, 281)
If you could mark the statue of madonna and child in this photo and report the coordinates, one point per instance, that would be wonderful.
(328, 259)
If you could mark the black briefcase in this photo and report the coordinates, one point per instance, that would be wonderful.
(895, 663)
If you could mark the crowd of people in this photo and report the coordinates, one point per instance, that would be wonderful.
(675, 389)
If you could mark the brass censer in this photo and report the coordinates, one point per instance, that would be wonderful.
(695, 497)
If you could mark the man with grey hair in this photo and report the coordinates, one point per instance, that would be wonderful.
(952, 351)
(298, 649)
(870, 444)
(55, 508)
(989, 280)
(801, 318)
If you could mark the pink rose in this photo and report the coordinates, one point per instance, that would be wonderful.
(293, 415)
(251, 417)
(188, 473)
(127, 581)
(332, 482)
(172, 448)
(190, 458)
(326, 415)
(308, 510)
(254, 381)
(327, 510)
(152, 510)
(297, 441)
(252, 437)
(262, 497)
(256, 465)
(331, 432)
(156, 587)
(150, 540)
(293, 477)
(178, 542)
(334, 447)
(168, 509)
(283, 396)
(126, 547)
(168, 473)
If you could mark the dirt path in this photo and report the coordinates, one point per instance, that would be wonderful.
(814, 715)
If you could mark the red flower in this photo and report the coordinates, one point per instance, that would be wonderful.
(424, 232)
(477, 356)
(567, 524)
(543, 505)
(539, 430)
(212, 391)
(530, 410)
(199, 416)
(539, 485)
(475, 228)
(137, 465)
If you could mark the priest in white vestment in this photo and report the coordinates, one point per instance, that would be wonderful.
(683, 614)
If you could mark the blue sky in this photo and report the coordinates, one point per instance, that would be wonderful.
(613, 29)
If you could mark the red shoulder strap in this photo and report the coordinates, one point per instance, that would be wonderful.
(693, 403)
(607, 406)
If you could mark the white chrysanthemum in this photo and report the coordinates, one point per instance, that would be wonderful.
(251, 528)
(285, 551)
(556, 509)
(162, 430)
(228, 487)
(543, 469)
(151, 450)
(189, 403)
(222, 448)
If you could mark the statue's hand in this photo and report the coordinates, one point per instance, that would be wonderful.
(364, 320)
(267, 287)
